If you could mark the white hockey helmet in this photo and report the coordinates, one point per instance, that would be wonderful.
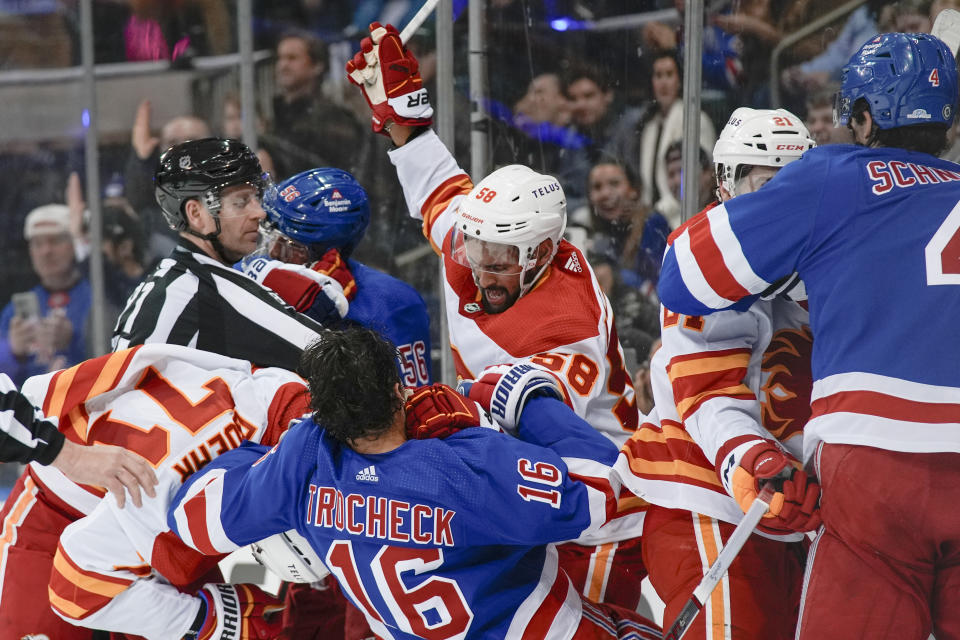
(291, 557)
(513, 207)
(758, 137)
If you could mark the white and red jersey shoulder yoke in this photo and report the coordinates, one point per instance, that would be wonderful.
(564, 322)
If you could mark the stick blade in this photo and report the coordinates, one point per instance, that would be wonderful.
(947, 28)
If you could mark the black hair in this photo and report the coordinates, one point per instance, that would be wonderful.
(317, 49)
(607, 159)
(675, 152)
(925, 138)
(353, 379)
(597, 75)
(659, 54)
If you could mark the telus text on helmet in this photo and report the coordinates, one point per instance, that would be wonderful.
(542, 191)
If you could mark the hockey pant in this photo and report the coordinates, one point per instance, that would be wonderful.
(31, 529)
(610, 572)
(322, 614)
(886, 564)
(757, 599)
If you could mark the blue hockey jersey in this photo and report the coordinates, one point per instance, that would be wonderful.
(435, 539)
(875, 235)
(395, 309)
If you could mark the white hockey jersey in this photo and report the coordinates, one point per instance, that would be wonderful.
(718, 381)
(115, 569)
(564, 322)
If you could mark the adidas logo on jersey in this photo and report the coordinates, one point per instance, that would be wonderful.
(368, 474)
(573, 264)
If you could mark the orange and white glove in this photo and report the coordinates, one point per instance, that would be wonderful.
(236, 612)
(333, 265)
(750, 464)
(389, 76)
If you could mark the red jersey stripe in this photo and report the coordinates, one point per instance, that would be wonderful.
(873, 403)
(709, 258)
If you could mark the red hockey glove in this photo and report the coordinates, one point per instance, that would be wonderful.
(795, 505)
(236, 612)
(300, 287)
(503, 390)
(389, 76)
(331, 264)
(437, 411)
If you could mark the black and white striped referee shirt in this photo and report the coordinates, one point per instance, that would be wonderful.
(193, 300)
(25, 435)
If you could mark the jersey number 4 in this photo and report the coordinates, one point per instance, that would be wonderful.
(942, 253)
(435, 609)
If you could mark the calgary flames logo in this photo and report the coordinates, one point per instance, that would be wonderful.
(787, 382)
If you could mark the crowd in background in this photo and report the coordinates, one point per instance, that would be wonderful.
(600, 109)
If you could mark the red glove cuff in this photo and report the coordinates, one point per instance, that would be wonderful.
(296, 290)
(333, 265)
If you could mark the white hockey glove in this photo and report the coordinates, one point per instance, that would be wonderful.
(299, 287)
(236, 612)
(503, 390)
(291, 557)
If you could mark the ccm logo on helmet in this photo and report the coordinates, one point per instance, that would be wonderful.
(791, 147)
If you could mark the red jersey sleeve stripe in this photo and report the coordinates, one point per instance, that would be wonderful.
(709, 258)
(195, 510)
(291, 401)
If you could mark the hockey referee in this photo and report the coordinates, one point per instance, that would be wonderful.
(210, 190)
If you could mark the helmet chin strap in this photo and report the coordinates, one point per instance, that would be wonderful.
(212, 203)
(214, 239)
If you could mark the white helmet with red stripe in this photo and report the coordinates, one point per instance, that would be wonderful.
(513, 207)
(758, 137)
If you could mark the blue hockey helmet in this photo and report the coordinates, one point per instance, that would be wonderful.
(320, 209)
(907, 79)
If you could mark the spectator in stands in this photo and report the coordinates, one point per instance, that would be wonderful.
(309, 130)
(623, 228)
(662, 124)
(45, 328)
(606, 127)
(819, 119)
(814, 74)
(722, 51)
(544, 101)
(142, 162)
(674, 162)
(167, 30)
(123, 242)
(231, 126)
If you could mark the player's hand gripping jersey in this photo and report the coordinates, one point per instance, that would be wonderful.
(178, 408)
(564, 322)
(810, 218)
(435, 539)
(719, 381)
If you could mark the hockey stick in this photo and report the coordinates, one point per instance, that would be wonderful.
(418, 19)
(737, 539)
(947, 28)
